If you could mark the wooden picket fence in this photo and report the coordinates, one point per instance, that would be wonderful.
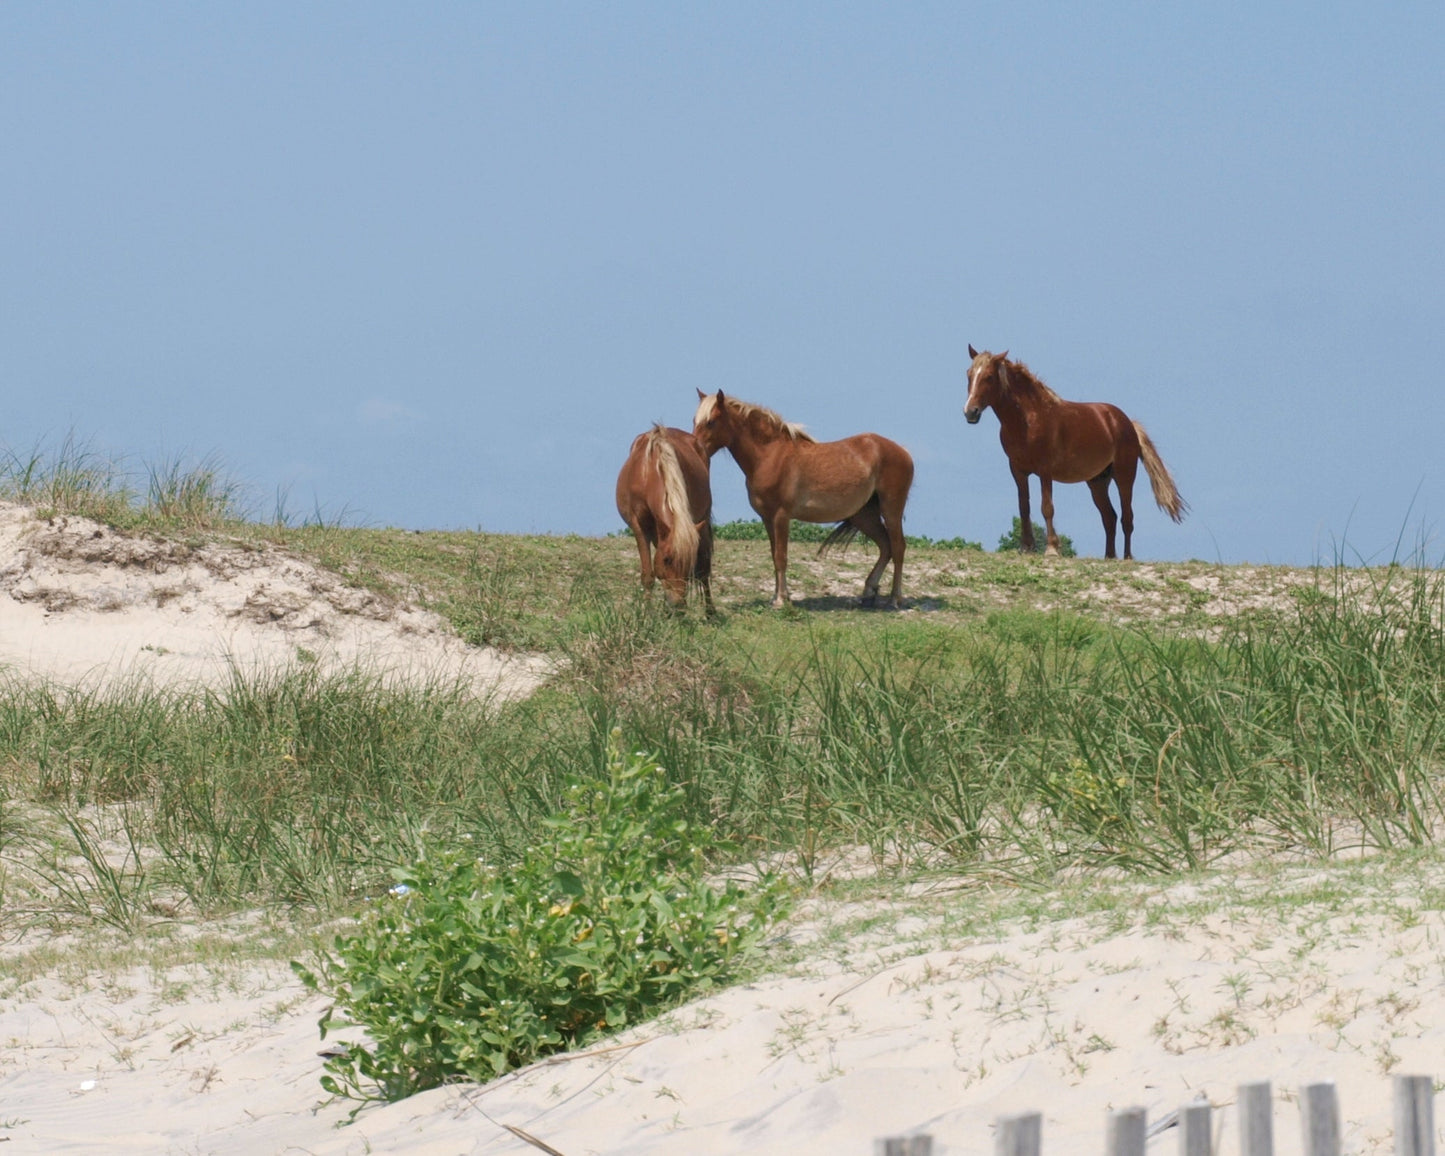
(1127, 1131)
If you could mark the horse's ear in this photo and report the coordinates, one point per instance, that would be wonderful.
(1003, 356)
(720, 398)
(700, 394)
(972, 352)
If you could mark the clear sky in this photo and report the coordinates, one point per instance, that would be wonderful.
(437, 264)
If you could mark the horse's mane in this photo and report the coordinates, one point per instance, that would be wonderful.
(1020, 375)
(674, 498)
(759, 415)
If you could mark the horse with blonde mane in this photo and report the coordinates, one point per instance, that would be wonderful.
(664, 497)
(1066, 441)
(861, 483)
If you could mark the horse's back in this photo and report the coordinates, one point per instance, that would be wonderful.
(695, 472)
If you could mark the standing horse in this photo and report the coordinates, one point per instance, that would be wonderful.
(664, 497)
(860, 482)
(1066, 441)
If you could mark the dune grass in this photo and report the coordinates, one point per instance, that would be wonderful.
(1021, 741)
(1035, 718)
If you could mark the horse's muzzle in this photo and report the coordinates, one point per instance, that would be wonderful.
(972, 415)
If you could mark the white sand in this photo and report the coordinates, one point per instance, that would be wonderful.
(1071, 1016)
(83, 605)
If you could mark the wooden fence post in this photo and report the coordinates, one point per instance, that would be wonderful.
(1125, 1132)
(1195, 1138)
(904, 1146)
(1414, 1116)
(1256, 1120)
(1019, 1135)
(1320, 1118)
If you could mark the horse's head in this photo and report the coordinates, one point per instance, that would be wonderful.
(712, 424)
(676, 559)
(987, 379)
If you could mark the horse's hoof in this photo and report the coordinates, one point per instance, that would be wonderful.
(868, 601)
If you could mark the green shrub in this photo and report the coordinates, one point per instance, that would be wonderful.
(743, 530)
(1014, 540)
(467, 971)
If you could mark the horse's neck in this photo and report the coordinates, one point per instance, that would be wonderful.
(749, 446)
(1022, 407)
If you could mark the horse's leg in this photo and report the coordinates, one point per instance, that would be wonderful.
(1026, 526)
(645, 535)
(1099, 488)
(870, 523)
(778, 526)
(1124, 471)
(891, 507)
(703, 569)
(1046, 504)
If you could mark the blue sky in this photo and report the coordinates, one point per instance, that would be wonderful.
(438, 264)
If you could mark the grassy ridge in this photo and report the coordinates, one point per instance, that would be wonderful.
(1022, 721)
(1021, 740)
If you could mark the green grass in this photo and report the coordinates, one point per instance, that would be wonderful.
(1027, 742)
(1030, 717)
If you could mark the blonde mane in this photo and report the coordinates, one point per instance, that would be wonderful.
(755, 416)
(674, 499)
(1013, 374)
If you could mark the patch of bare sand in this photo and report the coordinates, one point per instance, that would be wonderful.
(917, 1027)
(81, 604)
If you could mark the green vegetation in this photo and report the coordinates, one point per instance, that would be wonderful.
(1014, 540)
(74, 478)
(1030, 718)
(753, 530)
(468, 970)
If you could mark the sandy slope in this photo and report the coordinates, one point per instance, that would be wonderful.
(929, 1024)
(80, 603)
(920, 1027)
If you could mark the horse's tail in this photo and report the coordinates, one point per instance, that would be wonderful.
(674, 499)
(844, 532)
(1164, 492)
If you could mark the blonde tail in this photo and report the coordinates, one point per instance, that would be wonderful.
(1164, 492)
(674, 500)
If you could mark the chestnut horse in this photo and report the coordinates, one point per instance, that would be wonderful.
(1066, 441)
(860, 482)
(664, 497)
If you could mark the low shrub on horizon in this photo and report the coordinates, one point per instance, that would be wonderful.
(753, 530)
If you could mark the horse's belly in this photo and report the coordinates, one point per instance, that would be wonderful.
(830, 505)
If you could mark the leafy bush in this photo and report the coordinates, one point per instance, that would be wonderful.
(745, 530)
(754, 531)
(467, 971)
(1013, 540)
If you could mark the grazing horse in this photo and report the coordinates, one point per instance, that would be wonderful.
(664, 497)
(1066, 441)
(860, 482)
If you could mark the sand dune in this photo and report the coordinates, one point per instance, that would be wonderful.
(83, 604)
(920, 1026)
(910, 1011)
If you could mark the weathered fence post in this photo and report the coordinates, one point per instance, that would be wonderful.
(1194, 1134)
(1319, 1106)
(1125, 1133)
(1019, 1135)
(904, 1146)
(1256, 1120)
(1414, 1116)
